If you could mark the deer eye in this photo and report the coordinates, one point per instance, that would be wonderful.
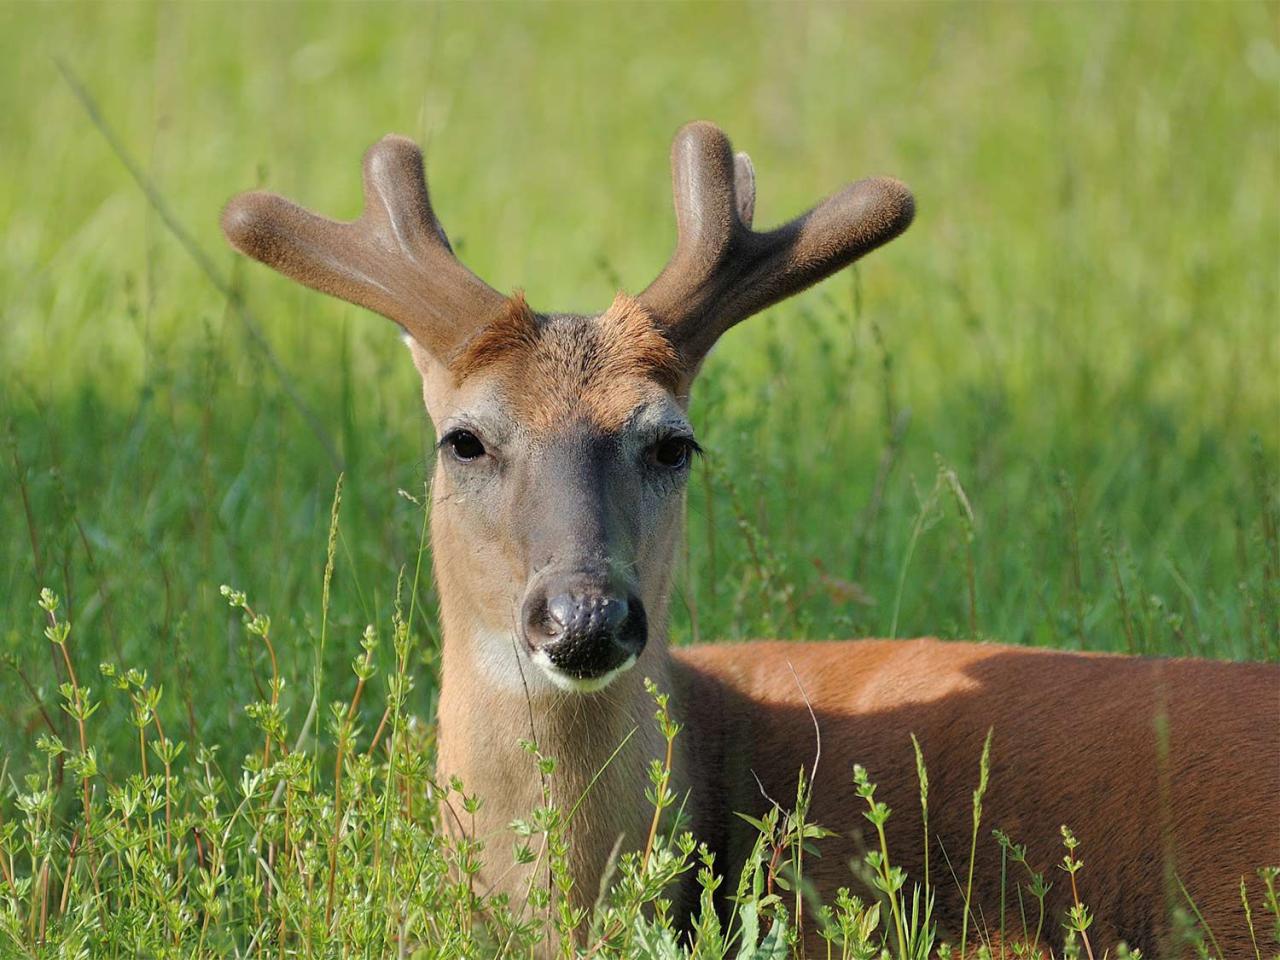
(673, 453)
(464, 445)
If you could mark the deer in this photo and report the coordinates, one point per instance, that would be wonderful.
(557, 503)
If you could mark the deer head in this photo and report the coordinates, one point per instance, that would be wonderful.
(564, 445)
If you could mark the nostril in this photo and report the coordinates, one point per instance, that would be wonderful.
(570, 614)
(562, 611)
(612, 613)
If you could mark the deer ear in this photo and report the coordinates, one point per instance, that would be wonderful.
(425, 362)
(744, 188)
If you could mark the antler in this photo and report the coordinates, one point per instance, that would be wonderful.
(395, 259)
(722, 271)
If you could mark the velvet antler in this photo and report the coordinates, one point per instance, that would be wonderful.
(395, 259)
(722, 271)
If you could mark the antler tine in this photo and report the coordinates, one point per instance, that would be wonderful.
(707, 219)
(722, 271)
(395, 259)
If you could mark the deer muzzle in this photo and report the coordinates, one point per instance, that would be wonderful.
(581, 631)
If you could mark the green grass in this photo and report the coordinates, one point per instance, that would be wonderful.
(1079, 332)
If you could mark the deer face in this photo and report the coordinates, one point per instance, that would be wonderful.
(563, 442)
(562, 459)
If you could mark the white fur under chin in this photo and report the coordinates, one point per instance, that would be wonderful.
(579, 684)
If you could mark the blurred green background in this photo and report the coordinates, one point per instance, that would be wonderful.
(1081, 326)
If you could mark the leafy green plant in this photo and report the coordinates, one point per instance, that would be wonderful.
(190, 855)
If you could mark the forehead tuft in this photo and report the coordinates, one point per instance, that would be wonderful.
(553, 367)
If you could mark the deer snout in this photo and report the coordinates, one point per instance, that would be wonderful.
(583, 634)
(583, 615)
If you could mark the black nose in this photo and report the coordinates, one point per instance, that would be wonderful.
(585, 632)
(576, 614)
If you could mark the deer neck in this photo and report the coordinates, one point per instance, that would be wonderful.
(485, 725)
(493, 700)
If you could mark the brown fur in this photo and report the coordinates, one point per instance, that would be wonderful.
(1075, 742)
(1154, 764)
(1164, 769)
(515, 333)
(554, 366)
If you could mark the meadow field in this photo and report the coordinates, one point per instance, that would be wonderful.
(1048, 415)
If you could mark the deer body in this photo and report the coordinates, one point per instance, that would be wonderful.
(1076, 741)
(557, 503)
